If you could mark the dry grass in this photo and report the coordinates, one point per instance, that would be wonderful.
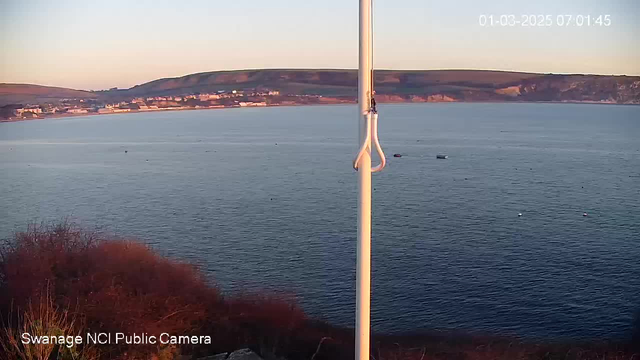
(44, 319)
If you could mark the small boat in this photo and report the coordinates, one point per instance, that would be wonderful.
(442, 156)
(397, 155)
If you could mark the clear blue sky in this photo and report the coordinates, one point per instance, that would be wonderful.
(93, 44)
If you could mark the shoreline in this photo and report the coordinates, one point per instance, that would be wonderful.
(349, 102)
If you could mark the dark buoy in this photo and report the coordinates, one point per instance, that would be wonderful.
(125, 151)
(397, 155)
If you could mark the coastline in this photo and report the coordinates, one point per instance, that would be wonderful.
(346, 102)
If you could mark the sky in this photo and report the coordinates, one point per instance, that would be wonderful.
(96, 44)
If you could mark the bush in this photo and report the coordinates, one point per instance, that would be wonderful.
(113, 286)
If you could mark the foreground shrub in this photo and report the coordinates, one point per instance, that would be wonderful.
(115, 285)
(112, 286)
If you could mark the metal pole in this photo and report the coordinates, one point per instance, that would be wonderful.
(363, 271)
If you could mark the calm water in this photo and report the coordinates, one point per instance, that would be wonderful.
(265, 198)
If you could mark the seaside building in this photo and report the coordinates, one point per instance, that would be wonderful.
(251, 103)
(28, 110)
(207, 97)
(34, 109)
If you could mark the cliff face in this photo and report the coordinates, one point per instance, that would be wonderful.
(609, 89)
(390, 85)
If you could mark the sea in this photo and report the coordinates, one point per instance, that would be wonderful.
(265, 200)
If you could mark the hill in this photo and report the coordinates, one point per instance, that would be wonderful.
(327, 82)
(399, 86)
(38, 94)
(390, 85)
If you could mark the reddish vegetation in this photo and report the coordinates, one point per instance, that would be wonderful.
(116, 286)
(123, 286)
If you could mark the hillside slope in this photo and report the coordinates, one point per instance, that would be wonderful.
(38, 94)
(390, 85)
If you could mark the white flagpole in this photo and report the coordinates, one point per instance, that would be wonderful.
(363, 272)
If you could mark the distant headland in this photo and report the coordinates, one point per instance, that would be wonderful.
(278, 87)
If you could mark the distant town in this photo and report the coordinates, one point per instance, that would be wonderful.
(282, 87)
(219, 99)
